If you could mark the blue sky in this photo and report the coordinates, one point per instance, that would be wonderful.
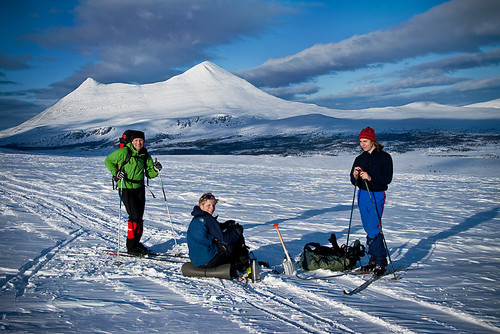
(345, 54)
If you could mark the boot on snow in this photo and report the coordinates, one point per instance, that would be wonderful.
(370, 265)
(379, 270)
(136, 248)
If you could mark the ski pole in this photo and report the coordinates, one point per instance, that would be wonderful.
(352, 209)
(383, 237)
(150, 191)
(350, 221)
(168, 210)
(119, 224)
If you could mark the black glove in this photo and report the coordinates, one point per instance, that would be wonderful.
(227, 224)
(120, 175)
(222, 247)
(157, 166)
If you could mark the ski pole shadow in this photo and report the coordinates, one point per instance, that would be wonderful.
(423, 248)
(166, 246)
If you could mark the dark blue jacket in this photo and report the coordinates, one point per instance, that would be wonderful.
(378, 165)
(203, 233)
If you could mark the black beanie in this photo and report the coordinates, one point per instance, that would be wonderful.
(136, 134)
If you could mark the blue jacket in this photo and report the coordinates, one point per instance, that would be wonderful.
(202, 235)
(379, 165)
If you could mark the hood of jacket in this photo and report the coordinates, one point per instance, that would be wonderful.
(198, 212)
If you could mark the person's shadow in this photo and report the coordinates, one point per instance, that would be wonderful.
(273, 253)
(303, 216)
(424, 247)
(167, 246)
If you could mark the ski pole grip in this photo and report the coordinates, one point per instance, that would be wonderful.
(275, 225)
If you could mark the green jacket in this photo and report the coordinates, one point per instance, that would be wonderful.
(139, 165)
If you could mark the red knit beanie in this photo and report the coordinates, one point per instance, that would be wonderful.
(367, 133)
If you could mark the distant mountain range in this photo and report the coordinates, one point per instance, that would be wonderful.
(208, 110)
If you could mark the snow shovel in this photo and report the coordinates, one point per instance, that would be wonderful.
(288, 265)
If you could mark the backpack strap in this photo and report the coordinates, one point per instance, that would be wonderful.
(127, 159)
(314, 245)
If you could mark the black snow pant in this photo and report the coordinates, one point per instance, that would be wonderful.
(236, 254)
(135, 202)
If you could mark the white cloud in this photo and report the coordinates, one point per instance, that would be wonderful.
(455, 26)
(152, 40)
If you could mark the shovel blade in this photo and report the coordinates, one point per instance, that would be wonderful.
(289, 267)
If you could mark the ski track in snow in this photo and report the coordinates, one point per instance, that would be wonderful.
(60, 212)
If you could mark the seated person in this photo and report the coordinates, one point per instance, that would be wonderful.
(211, 243)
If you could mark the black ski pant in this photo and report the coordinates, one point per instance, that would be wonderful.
(237, 255)
(135, 202)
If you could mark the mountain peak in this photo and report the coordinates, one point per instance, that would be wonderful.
(206, 65)
(487, 104)
(208, 71)
(89, 82)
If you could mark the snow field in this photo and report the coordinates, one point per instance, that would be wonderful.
(58, 212)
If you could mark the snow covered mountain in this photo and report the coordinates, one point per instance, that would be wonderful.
(208, 108)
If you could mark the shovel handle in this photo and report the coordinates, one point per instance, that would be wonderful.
(281, 239)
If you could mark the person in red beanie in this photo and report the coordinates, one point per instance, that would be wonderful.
(375, 167)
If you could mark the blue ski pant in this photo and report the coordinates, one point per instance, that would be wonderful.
(371, 218)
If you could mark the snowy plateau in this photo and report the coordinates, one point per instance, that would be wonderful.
(268, 161)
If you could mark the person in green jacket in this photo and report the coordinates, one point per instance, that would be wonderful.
(129, 165)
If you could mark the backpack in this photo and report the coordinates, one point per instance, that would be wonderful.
(333, 258)
(126, 138)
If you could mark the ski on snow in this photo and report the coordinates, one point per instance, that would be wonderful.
(173, 258)
(307, 275)
(373, 278)
(355, 272)
(363, 286)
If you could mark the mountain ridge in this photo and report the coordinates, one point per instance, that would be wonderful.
(208, 103)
